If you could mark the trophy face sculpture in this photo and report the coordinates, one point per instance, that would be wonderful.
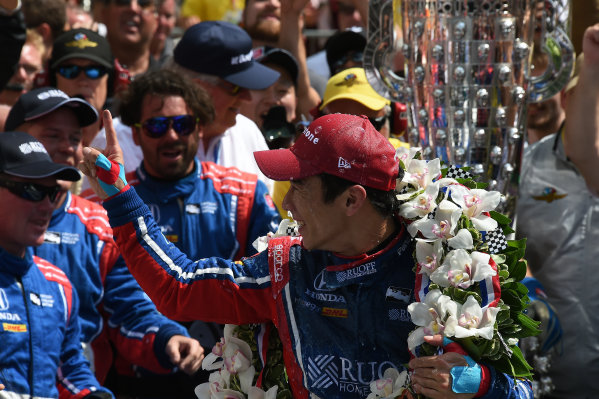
(467, 81)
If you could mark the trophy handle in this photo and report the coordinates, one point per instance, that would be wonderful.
(558, 47)
(381, 48)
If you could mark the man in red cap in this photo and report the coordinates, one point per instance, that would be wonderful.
(330, 292)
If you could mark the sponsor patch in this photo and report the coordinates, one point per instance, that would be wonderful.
(398, 294)
(174, 238)
(14, 327)
(334, 312)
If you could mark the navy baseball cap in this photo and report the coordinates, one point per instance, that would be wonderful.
(39, 102)
(225, 50)
(23, 155)
(81, 43)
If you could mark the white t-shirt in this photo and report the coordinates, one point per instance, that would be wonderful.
(235, 147)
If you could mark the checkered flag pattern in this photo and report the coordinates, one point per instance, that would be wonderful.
(291, 230)
(453, 172)
(496, 240)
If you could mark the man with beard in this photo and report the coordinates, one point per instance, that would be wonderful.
(204, 209)
(30, 63)
(130, 26)
(262, 19)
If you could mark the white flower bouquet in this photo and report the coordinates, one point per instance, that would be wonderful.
(468, 274)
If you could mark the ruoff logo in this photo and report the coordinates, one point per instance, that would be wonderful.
(51, 93)
(32, 146)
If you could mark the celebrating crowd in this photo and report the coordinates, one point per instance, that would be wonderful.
(147, 146)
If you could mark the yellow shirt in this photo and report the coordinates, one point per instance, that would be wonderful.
(214, 10)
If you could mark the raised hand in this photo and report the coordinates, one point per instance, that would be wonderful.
(104, 169)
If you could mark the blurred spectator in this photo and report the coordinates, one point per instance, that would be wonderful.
(12, 38)
(130, 26)
(281, 93)
(48, 18)
(77, 17)
(545, 117)
(557, 202)
(40, 350)
(262, 19)
(30, 63)
(82, 65)
(195, 11)
(117, 319)
(348, 15)
(162, 44)
(345, 49)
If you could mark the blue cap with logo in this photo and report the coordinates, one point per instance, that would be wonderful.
(225, 50)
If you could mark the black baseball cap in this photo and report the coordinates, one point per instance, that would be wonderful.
(23, 155)
(81, 43)
(280, 57)
(225, 50)
(343, 42)
(41, 101)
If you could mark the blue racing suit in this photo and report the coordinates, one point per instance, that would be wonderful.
(342, 320)
(115, 312)
(39, 332)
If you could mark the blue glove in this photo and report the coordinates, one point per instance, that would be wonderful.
(541, 310)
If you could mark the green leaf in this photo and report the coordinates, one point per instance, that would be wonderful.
(500, 218)
(515, 365)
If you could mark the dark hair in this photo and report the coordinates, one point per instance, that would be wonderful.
(164, 82)
(385, 202)
(52, 12)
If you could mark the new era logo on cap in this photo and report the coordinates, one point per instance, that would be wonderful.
(32, 146)
(44, 95)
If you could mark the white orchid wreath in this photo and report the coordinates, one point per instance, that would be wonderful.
(468, 282)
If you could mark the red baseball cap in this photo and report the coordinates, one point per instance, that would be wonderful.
(347, 146)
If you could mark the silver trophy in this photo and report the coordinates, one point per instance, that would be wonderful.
(467, 77)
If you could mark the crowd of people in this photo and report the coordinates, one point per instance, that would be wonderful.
(198, 126)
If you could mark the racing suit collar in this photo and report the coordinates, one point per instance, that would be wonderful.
(165, 191)
(14, 265)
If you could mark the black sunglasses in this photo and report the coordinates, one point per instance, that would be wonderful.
(355, 56)
(30, 191)
(156, 127)
(91, 71)
(378, 122)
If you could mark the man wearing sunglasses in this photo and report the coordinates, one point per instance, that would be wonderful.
(38, 306)
(202, 208)
(82, 65)
(117, 319)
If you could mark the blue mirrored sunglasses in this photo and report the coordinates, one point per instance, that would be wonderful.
(156, 127)
(91, 71)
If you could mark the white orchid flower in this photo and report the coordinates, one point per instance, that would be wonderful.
(430, 315)
(390, 386)
(443, 225)
(257, 393)
(406, 155)
(428, 255)
(474, 202)
(421, 173)
(472, 321)
(462, 240)
(286, 225)
(217, 388)
(462, 269)
(423, 204)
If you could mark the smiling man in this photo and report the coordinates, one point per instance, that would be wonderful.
(117, 319)
(40, 353)
(204, 209)
(324, 291)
